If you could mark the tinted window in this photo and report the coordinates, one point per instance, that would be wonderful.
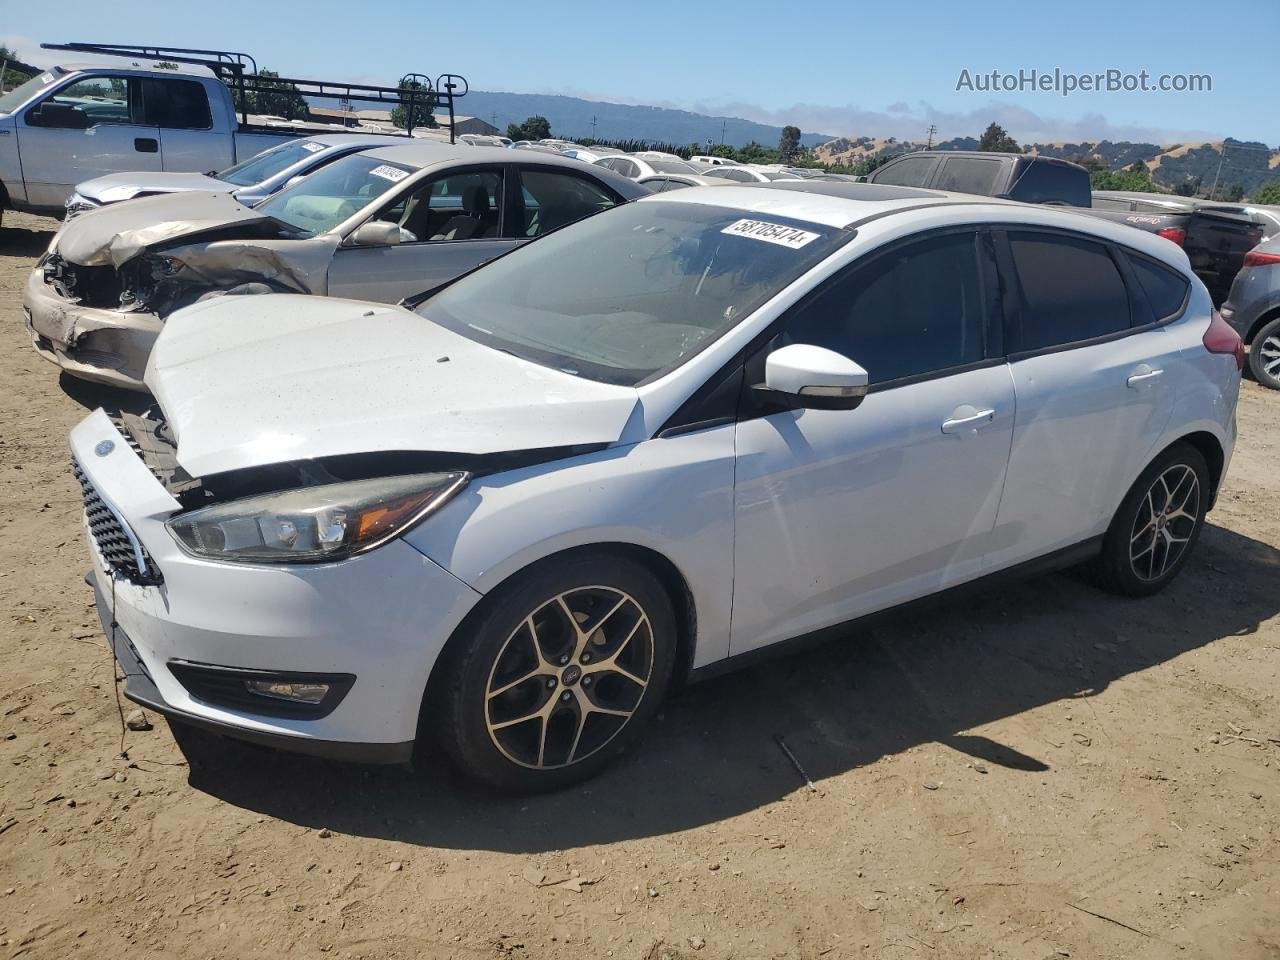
(914, 310)
(553, 199)
(1052, 183)
(910, 172)
(1071, 290)
(1165, 289)
(176, 104)
(970, 175)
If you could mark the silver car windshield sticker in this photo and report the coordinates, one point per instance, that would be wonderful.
(387, 172)
(771, 233)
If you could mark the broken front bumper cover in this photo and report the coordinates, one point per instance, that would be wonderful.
(92, 343)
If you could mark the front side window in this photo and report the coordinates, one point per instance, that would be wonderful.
(1069, 290)
(269, 162)
(87, 103)
(175, 104)
(552, 200)
(914, 310)
(331, 195)
(634, 291)
(458, 206)
(908, 172)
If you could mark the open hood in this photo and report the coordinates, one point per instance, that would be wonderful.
(117, 233)
(250, 381)
(115, 187)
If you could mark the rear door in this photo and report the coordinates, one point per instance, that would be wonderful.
(179, 109)
(1216, 243)
(450, 223)
(87, 128)
(1092, 370)
(842, 512)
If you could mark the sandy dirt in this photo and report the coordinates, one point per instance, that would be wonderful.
(1046, 771)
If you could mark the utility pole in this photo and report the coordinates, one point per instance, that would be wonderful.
(723, 124)
(593, 126)
(1214, 189)
(932, 130)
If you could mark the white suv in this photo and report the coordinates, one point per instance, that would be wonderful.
(659, 439)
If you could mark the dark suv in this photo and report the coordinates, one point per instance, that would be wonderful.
(1011, 176)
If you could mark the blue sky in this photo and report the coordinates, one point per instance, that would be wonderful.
(875, 69)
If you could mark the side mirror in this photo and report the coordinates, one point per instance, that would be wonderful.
(375, 233)
(60, 116)
(802, 375)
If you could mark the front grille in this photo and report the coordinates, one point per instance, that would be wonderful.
(115, 542)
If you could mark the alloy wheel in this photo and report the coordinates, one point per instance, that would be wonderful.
(1270, 350)
(1165, 522)
(569, 677)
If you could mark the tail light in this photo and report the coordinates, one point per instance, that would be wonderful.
(1256, 258)
(1174, 234)
(1220, 338)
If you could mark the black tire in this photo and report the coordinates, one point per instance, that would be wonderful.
(481, 687)
(1264, 352)
(1159, 523)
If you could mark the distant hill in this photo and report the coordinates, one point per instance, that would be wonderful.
(571, 117)
(1247, 163)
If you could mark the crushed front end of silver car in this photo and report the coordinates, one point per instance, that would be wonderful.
(97, 300)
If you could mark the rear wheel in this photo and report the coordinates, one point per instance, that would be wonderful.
(1264, 355)
(561, 672)
(1157, 524)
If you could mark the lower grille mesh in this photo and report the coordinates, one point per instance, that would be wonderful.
(114, 542)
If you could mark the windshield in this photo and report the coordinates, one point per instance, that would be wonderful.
(330, 195)
(632, 291)
(268, 163)
(671, 166)
(16, 97)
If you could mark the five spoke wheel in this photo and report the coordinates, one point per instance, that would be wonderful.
(569, 677)
(1165, 522)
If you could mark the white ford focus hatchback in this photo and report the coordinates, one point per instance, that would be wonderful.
(678, 432)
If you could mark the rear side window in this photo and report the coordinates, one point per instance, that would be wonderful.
(1071, 290)
(176, 104)
(1052, 183)
(970, 175)
(1165, 289)
(914, 310)
(908, 172)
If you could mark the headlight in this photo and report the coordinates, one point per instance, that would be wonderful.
(76, 205)
(314, 524)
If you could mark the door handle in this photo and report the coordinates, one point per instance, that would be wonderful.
(1140, 378)
(146, 144)
(974, 422)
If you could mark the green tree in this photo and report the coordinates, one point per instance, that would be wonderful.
(1135, 178)
(996, 139)
(789, 143)
(1187, 188)
(277, 99)
(533, 128)
(1231, 194)
(1268, 193)
(12, 76)
(424, 108)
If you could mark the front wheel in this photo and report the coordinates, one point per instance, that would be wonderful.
(1264, 355)
(1158, 523)
(563, 668)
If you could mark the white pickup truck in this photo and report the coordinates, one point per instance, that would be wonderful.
(162, 109)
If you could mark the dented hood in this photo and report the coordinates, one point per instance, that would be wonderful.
(249, 381)
(115, 187)
(117, 233)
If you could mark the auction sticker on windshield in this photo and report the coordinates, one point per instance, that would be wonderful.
(313, 147)
(388, 172)
(771, 233)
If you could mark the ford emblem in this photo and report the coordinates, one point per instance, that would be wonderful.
(104, 447)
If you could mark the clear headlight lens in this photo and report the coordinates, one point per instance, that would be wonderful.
(314, 524)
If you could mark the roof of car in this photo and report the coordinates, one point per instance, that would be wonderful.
(426, 153)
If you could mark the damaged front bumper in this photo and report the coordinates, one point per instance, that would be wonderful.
(92, 343)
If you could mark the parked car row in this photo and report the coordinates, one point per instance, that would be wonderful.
(508, 514)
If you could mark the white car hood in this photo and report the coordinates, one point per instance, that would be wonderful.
(117, 233)
(115, 187)
(254, 380)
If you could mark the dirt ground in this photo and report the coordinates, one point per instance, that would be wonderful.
(1043, 772)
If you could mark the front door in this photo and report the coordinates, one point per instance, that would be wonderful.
(448, 225)
(843, 512)
(84, 130)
